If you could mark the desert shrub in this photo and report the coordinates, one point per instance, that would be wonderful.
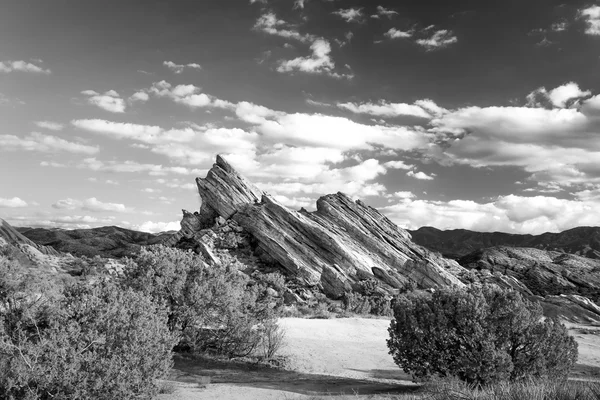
(96, 342)
(215, 308)
(480, 335)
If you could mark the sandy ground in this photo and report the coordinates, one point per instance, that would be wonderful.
(325, 356)
(328, 357)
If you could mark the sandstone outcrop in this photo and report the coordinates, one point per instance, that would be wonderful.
(333, 249)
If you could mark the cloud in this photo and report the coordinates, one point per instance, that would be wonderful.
(420, 175)
(319, 62)
(404, 195)
(439, 40)
(53, 126)
(178, 68)
(95, 205)
(394, 33)
(299, 4)
(140, 96)
(135, 167)
(382, 11)
(15, 202)
(157, 227)
(511, 213)
(269, 23)
(109, 101)
(591, 15)
(65, 222)
(22, 66)
(67, 204)
(424, 109)
(188, 95)
(398, 165)
(350, 14)
(44, 143)
(555, 145)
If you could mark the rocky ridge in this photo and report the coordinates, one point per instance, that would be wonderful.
(334, 249)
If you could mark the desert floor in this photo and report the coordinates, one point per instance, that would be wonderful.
(327, 357)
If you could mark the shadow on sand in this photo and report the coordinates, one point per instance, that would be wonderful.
(200, 370)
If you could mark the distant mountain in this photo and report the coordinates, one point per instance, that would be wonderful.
(108, 241)
(582, 241)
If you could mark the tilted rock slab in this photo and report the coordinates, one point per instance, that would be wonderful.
(334, 248)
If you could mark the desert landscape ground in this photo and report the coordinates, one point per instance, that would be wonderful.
(342, 358)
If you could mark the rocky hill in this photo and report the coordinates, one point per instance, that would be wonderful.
(335, 249)
(108, 241)
(582, 241)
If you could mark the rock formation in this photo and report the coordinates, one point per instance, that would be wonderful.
(11, 236)
(333, 249)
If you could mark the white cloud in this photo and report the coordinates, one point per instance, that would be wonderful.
(189, 95)
(44, 143)
(299, 4)
(350, 14)
(109, 101)
(398, 165)
(404, 195)
(135, 167)
(420, 175)
(569, 91)
(382, 11)
(65, 222)
(67, 204)
(383, 109)
(319, 62)
(157, 227)
(95, 205)
(394, 33)
(140, 96)
(15, 202)
(269, 23)
(509, 213)
(178, 68)
(22, 66)
(439, 40)
(591, 15)
(53, 126)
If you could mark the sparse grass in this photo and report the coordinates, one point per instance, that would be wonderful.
(456, 390)
(167, 387)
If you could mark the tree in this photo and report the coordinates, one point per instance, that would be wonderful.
(481, 335)
(97, 342)
(215, 308)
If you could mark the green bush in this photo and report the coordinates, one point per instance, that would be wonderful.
(480, 335)
(216, 308)
(97, 342)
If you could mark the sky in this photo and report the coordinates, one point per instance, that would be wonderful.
(480, 115)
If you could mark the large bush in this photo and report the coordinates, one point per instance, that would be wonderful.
(96, 342)
(215, 307)
(480, 335)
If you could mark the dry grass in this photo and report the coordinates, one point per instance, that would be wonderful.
(455, 390)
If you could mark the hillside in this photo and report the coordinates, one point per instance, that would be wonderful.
(108, 241)
(583, 241)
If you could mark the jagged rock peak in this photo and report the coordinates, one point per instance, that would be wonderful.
(335, 248)
(224, 191)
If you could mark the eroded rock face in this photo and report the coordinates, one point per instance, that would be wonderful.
(334, 248)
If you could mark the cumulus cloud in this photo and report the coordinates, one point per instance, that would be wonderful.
(94, 164)
(95, 205)
(188, 95)
(178, 68)
(44, 143)
(438, 40)
(319, 62)
(591, 15)
(561, 96)
(109, 101)
(22, 66)
(157, 227)
(65, 222)
(384, 12)
(53, 126)
(140, 96)
(509, 213)
(422, 109)
(350, 14)
(67, 204)
(269, 23)
(394, 33)
(420, 175)
(398, 165)
(15, 202)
